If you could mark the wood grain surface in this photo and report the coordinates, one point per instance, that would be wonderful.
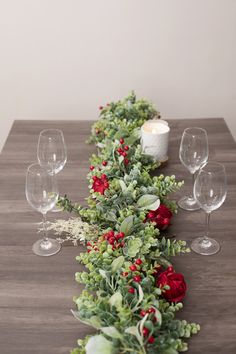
(36, 292)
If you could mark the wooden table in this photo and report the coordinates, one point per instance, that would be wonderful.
(36, 292)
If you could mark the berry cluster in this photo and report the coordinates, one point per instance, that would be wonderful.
(136, 277)
(123, 151)
(116, 240)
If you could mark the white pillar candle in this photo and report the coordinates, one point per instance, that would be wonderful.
(155, 139)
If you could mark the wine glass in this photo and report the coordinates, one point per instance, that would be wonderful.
(51, 152)
(209, 190)
(42, 194)
(193, 153)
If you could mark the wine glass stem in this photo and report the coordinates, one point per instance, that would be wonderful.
(193, 179)
(45, 231)
(207, 226)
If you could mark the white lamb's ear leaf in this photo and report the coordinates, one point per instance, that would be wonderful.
(127, 225)
(111, 332)
(149, 202)
(99, 345)
(116, 299)
(117, 264)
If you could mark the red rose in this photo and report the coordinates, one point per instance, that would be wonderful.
(100, 184)
(176, 283)
(161, 217)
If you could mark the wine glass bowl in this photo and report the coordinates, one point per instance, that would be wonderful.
(52, 153)
(193, 153)
(210, 189)
(42, 195)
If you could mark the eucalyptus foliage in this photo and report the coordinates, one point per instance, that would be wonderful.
(112, 301)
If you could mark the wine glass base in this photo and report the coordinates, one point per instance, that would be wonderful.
(49, 248)
(188, 203)
(205, 247)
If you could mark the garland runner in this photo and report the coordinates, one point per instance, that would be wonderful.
(132, 291)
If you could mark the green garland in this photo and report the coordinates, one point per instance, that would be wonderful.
(124, 298)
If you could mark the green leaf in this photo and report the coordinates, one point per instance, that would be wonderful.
(158, 316)
(136, 134)
(133, 247)
(170, 351)
(116, 300)
(117, 263)
(149, 201)
(120, 159)
(123, 186)
(135, 332)
(111, 216)
(99, 345)
(93, 321)
(104, 274)
(111, 332)
(127, 225)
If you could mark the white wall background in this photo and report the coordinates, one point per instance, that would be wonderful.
(61, 59)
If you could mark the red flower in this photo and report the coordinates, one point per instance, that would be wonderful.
(176, 283)
(161, 217)
(100, 184)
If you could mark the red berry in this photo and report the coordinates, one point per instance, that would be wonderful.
(151, 310)
(95, 249)
(125, 274)
(133, 268)
(142, 313)
(120, 150)
(145, 331)
(124, 154)
(120, 235)
(88, 251)
(111, 233)
(106, 184)
(122, 141)
(91, 168)
(137, 278)
(111, 240)
(104, 163)
(126, 147)
(138, 261)
(103, 176)
(151, 339)
(131, 290)
(126, 161)
(94, 178)
(100, 107)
